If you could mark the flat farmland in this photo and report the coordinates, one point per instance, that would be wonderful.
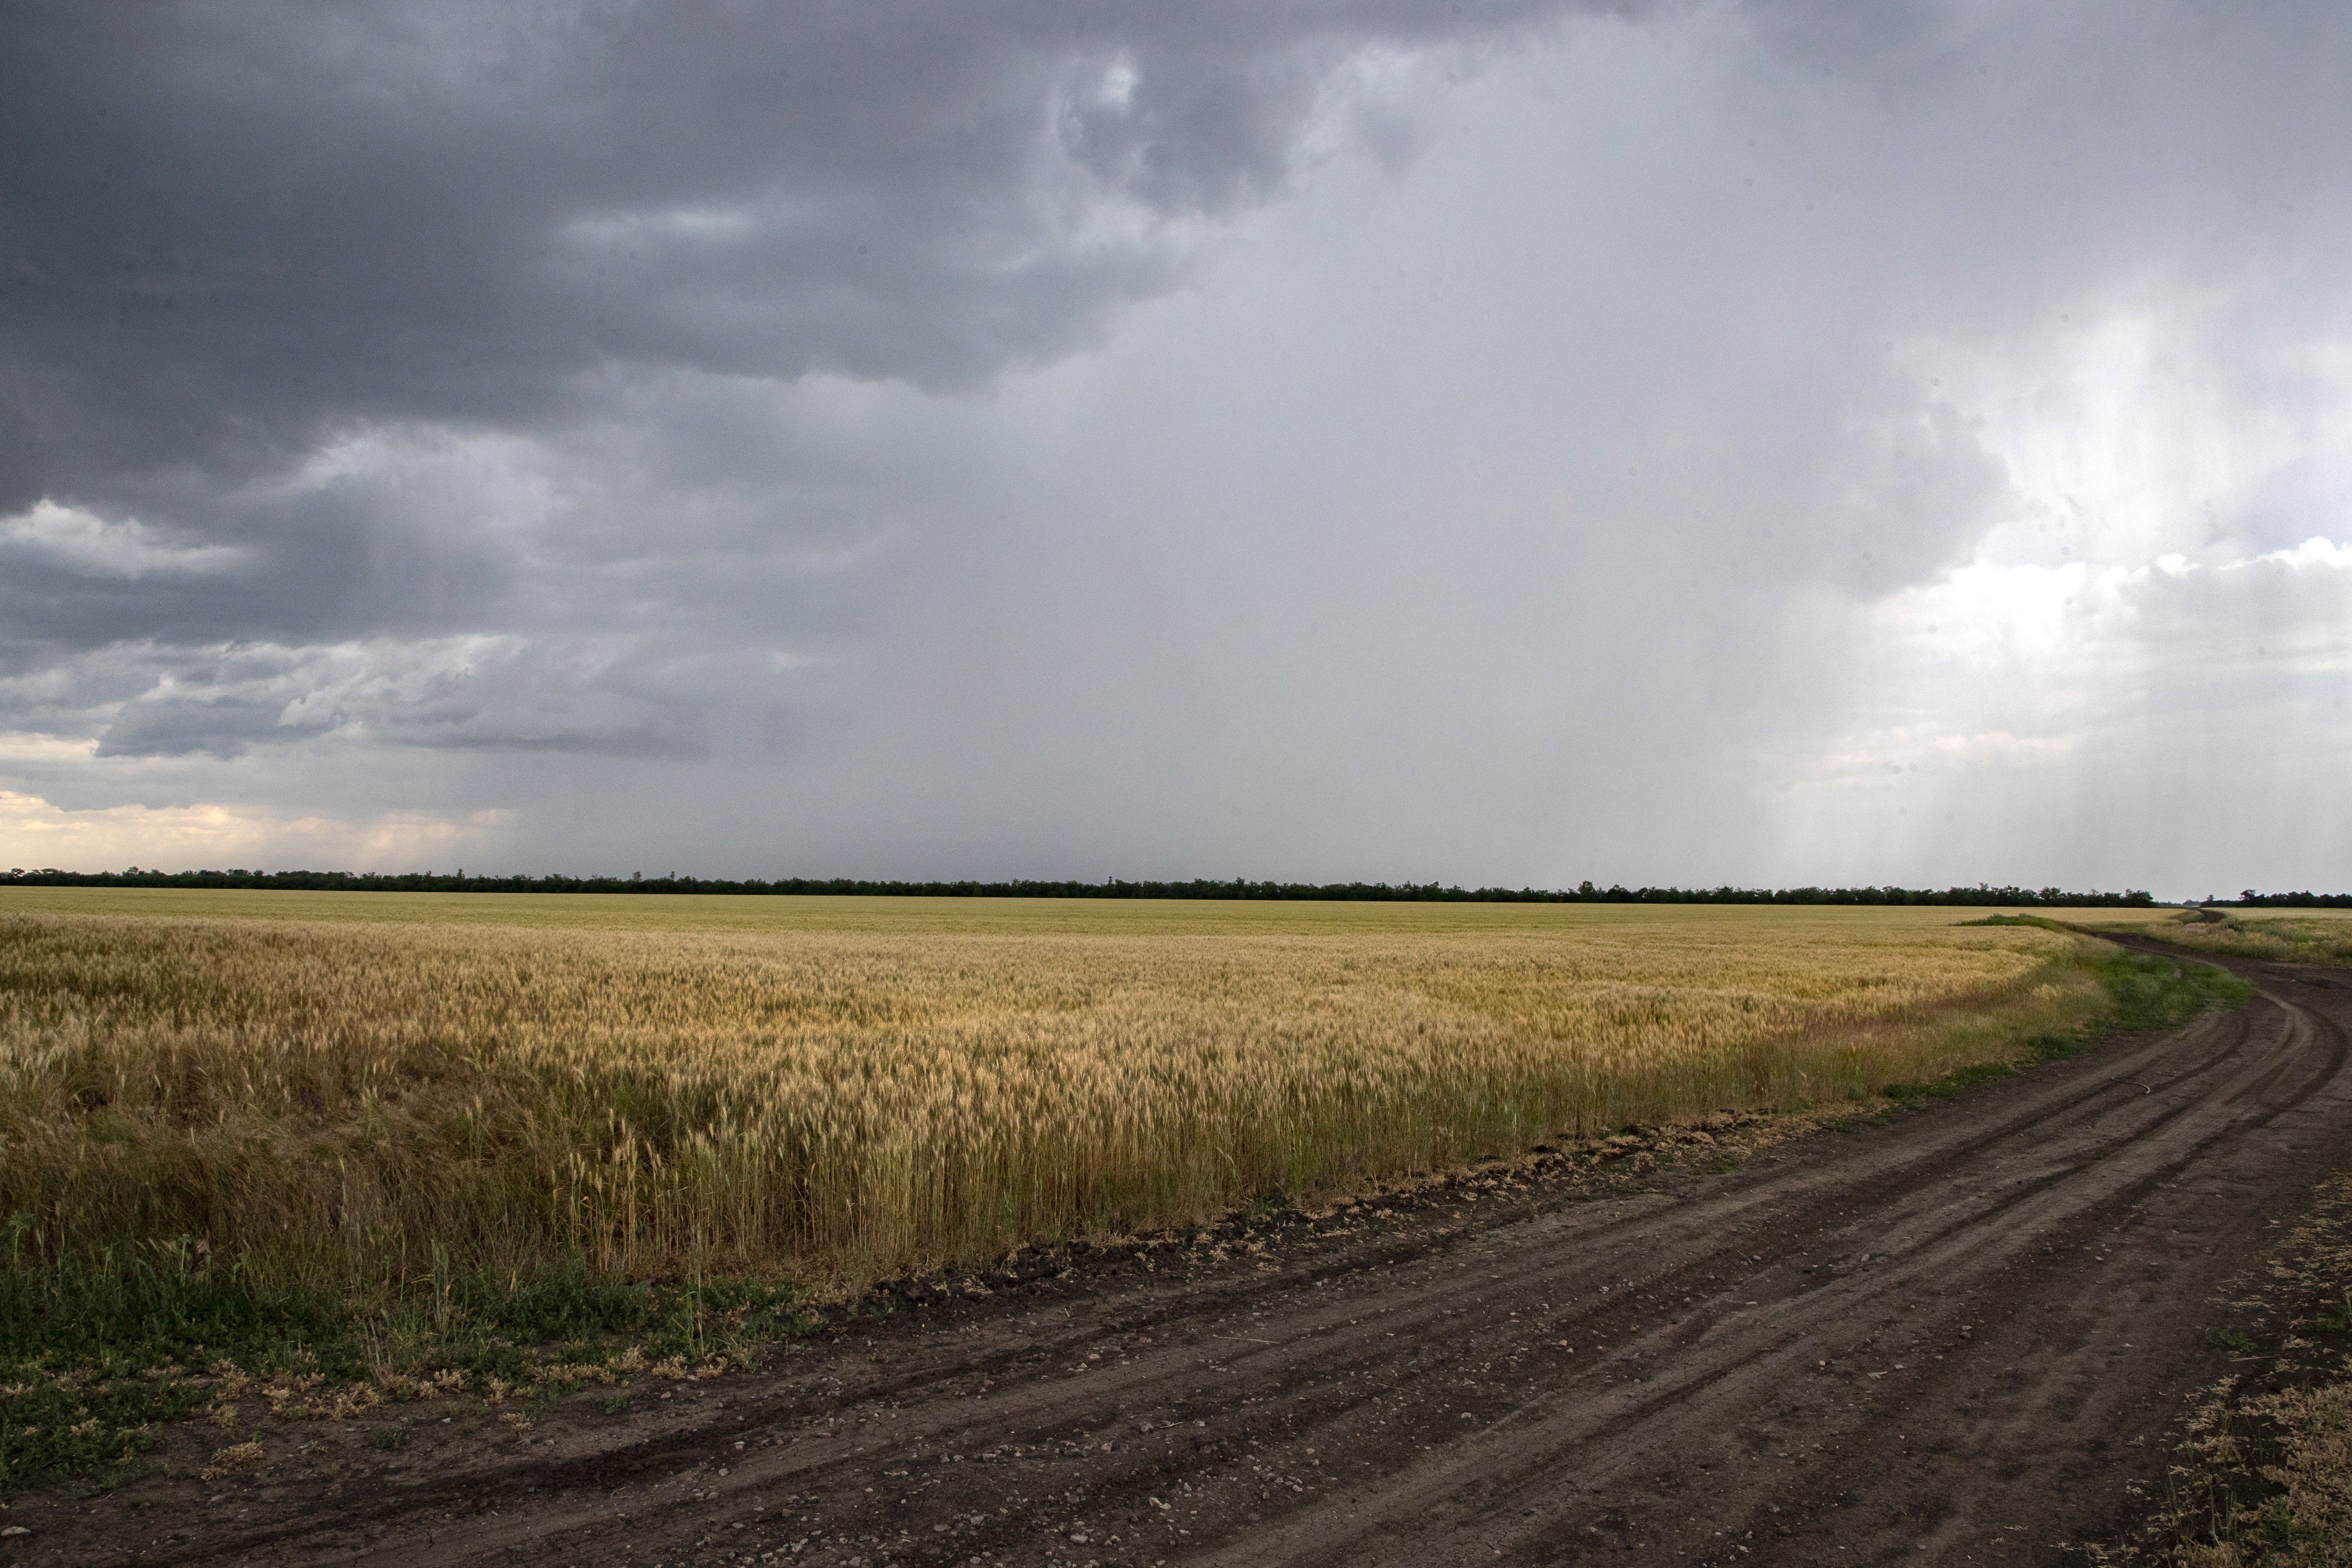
(1245, 1233)
(1969, 1331)
(364, 1093)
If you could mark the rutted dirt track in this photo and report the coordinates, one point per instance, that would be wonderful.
(1958, 1337)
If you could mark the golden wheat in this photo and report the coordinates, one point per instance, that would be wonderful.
(375, 1096)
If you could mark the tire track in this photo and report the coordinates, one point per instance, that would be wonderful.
(1717, 1377)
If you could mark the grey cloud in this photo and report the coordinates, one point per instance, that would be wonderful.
(230, 225)
(265, 561)
(239, 234)
(618, 697)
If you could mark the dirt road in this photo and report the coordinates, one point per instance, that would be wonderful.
(1955, 1337)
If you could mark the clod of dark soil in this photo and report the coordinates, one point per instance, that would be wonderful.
(1957, 1337)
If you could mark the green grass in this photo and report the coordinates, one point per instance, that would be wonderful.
(2151, 993)
(1951, 1083)
(94, 1358)
(2144, 994)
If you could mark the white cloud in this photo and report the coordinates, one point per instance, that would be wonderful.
(34, 834)
(34, 746)
(2312, 552)
(82, 542)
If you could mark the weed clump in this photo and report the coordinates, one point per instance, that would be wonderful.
(95, 1356)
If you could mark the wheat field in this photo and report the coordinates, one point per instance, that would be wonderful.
(361, 1093)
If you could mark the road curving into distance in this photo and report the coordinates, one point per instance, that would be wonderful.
(1957, 1337)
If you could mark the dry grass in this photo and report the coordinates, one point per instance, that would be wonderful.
(2305, 936)
(376, 1094)
(2262, 1477)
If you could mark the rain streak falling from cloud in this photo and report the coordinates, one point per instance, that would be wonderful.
(1767, 442)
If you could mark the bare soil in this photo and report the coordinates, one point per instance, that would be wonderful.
(1957, 1336)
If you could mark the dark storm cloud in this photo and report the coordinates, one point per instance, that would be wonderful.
(233, 237)
(329, 561)
(225, 228)
(617, 697)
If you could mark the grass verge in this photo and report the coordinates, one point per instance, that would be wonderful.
(2143, 994)
(96, 1357)
(2316, 938)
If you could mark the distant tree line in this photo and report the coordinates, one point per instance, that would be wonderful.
(1982, 894)
(2253, 900)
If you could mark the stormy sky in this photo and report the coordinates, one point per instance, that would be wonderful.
(1505, 441)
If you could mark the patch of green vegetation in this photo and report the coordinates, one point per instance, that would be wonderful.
(2314, 936)
(95, 1356)
(1950, 1084)
(2044, 921)
(2147, 991)
(2336, 1319)
(2143, 993)
(2235, 1340)
(391, 1439)
(72, 1427)
(2275, 1525)
(92, 1358)
(2151, 992)
(2055, 1047)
